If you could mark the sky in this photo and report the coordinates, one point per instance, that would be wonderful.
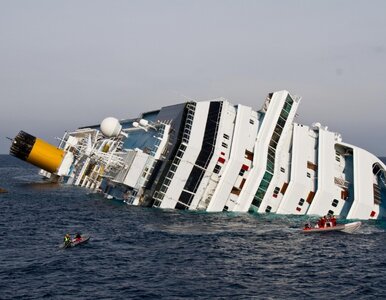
(67, 64)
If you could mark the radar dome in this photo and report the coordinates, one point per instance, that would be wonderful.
(111, 127)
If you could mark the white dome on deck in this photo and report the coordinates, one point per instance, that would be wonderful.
(111, 127)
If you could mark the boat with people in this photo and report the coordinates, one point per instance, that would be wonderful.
(78, 240)
(327, 224)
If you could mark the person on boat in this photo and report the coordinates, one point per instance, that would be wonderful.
(77, 237)
(333, 220)
(328, 221)
(324, 221)
(320, 223)
(307, 226)
(67, 239)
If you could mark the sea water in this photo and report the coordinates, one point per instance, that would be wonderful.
(137, 252)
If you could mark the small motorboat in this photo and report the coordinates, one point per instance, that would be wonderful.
(76, 242)
(347, 228)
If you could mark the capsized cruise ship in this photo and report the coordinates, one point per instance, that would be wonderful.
(215, 156)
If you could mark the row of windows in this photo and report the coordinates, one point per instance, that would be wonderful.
(334, 204)
(211, 128)
(188, 122)
(159, 195)
(205, 154)
(272, 151)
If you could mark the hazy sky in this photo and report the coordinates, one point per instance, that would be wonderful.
(65, 64)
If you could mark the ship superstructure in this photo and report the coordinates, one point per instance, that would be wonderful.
(216, 156)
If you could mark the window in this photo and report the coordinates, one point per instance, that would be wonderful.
(241, 172)
(242, 183)
(308, 175)
(337, 158)
(310, 197)
(277, 189)
(180, 153)
(244, 167)
(282, 170)
(225, 208)
(217, 169)
(235, 191)
(226, 136)
(181, 206)
(194, 179)
(273, 144)
(268, 209)
(251, 122)
(281, 122)
(248, 155)
(224, 145)
(335, 203)
(301, 201)
(330, 212)
(186, 198)
(284, 188)
(311, 166)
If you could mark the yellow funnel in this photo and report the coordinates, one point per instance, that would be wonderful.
(37, 152)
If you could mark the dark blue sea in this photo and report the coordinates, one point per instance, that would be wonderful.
(145, 253)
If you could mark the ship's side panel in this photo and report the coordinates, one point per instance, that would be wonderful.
(327, 170)
(204, 156)
(219, 160)
(343, 180)
(243, 139)
(273, 197)
(176, 117)
(366, 203)
(273, 105)
(136, 168)
(276, 121)
(235, 201)
(184, 161)
(301, 187)
(267, 198)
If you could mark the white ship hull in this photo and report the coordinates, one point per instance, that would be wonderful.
(215, 156)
